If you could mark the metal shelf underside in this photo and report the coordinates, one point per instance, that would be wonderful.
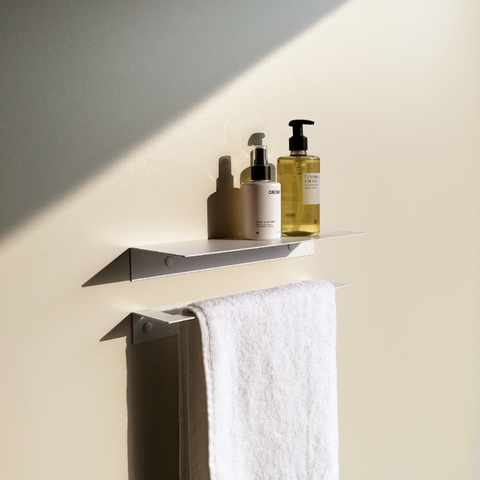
(154, 261)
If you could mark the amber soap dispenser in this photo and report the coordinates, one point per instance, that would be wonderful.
(299, 176)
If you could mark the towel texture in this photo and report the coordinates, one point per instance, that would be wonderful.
(258, 386)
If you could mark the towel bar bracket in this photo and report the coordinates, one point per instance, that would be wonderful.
(155, 324)
(144, 329)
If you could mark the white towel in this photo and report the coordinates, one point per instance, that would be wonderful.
(258, 386)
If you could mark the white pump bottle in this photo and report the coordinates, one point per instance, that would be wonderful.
(261, 201)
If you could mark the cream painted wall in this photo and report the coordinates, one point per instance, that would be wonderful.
(393, 89)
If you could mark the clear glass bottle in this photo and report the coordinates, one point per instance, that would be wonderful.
(299, 176)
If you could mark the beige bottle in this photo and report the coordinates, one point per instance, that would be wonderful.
(261, 207)
(299, 175)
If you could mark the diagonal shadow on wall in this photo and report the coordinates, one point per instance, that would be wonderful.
(83, 82)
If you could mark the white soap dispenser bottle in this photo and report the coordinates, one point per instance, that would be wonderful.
(261, 201)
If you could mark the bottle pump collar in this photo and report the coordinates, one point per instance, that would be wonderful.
(298, 141)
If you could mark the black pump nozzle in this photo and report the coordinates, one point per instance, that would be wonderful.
(260, 167)
(254, 140)
(298, 141)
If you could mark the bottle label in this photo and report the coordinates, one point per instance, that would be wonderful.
(311, 188)
(261, 210)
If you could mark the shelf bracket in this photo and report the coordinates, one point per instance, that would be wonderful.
(185, 257)
(148, 262)
(162, 260)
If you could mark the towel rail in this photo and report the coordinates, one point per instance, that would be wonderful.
(148, 325)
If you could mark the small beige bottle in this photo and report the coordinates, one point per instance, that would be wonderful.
(299, 175)
(261, 201)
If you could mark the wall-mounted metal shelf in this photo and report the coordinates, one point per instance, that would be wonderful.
(162, 260)
(153, 261)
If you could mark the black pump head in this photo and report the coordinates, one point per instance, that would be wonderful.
(298, 141)
(260, 167)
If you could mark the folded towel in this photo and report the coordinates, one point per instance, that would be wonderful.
(258, 386)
